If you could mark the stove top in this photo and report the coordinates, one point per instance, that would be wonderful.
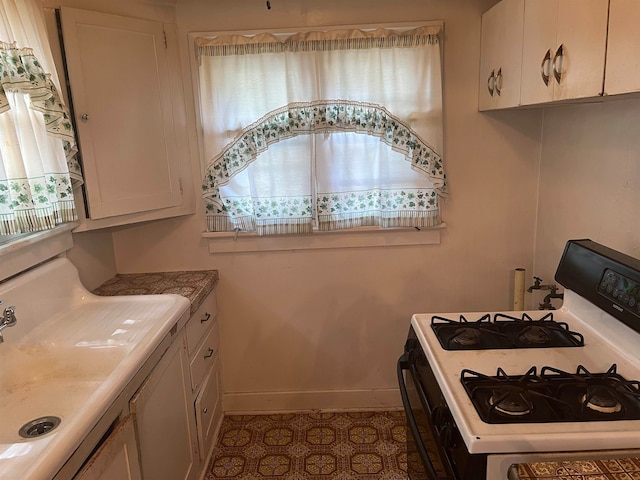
(553, 395)
(501, 330)
(580, 364)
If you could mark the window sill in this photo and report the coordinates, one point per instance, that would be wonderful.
(30, 250)
(223, 242)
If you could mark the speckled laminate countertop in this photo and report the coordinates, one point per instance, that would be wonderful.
(194, 285)
(612, 469)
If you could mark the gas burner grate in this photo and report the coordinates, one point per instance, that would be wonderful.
(503, 331)
(553, 396)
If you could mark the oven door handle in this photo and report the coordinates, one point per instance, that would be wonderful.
(403, 364)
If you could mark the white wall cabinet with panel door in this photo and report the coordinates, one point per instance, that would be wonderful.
(501, 55)
(128, 106)
(564, 50)
(622, 72)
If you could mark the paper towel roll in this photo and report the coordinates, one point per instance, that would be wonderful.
(518, 289)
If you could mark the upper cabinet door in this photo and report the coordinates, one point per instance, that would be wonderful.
(538, 50)
(623, 51)
(582, 35)
(489, 58)
(563, 50)
(501, 55)
(120, 86)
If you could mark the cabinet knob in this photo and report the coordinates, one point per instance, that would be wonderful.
(205, 318)
(84, 117)
(205, 410)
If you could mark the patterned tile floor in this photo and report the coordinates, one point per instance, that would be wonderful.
(311, 446)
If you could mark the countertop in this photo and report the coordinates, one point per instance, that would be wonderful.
(620, 468)
(194, 285)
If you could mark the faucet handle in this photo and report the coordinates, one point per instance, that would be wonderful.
(9, 316)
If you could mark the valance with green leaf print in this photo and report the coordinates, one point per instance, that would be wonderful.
(394, 206)
(38, 165)
(21, 72)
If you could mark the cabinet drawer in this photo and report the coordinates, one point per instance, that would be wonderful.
(204, 357)
(200, 322)
(208, 411)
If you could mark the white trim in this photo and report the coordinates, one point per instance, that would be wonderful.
(31, 250)
(263, 402)
(229, 242)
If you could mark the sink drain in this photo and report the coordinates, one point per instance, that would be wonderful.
(39, 426)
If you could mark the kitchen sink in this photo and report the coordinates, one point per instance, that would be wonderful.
(68, 356)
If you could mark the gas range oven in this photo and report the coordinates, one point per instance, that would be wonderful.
(486, 391)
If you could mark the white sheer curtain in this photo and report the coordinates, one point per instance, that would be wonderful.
(37, 144)
(328, 129)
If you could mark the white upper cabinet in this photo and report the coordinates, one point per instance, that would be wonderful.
(501, 55)
(125, 99)
(564, 50)
(622, 74)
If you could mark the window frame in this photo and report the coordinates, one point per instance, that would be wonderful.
(238, 242)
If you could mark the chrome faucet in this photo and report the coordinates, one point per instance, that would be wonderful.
(8, 319)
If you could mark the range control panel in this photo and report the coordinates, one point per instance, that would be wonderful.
(622, 291)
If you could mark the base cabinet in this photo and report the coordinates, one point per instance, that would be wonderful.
(208, 412)
(203, 345)
(117, 457)
(171, 420)
(164, 421)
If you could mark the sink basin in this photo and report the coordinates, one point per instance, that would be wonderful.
(39, 379)
(70, 355)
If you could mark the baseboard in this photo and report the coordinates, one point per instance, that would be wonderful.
(268, 402)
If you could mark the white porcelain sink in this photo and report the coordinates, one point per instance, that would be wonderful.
(69, 356)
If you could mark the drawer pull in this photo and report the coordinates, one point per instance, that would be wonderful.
(209, 353)
(205, 318)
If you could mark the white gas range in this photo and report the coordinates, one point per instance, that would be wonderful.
(488, 390)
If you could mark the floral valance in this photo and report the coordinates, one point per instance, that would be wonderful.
(21, 72)
(317, 41)
(317, 117)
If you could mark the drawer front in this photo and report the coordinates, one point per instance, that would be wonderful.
(204, 357)
(208, 411)
(201, 321)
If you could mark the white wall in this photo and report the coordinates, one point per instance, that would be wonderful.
(94, 257)
(590, 179)
(324, 328)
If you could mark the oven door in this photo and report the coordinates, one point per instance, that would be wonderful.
(435, 449)
(424, 455)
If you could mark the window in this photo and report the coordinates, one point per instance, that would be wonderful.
(38, 167)
(322, 130)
